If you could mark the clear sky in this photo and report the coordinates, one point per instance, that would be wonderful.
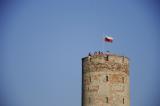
(42, 43)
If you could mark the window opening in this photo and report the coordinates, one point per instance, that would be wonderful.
(107, 78)
(107, 100)
(123, 100)
(90, 79)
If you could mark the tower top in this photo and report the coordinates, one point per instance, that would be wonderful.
(106, 56)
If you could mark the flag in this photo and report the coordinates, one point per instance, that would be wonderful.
(108, 39)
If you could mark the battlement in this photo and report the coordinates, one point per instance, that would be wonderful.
(101, 57)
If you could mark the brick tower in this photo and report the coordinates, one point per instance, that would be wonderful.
(105, 80)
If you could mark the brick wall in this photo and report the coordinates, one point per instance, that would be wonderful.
(105, 80)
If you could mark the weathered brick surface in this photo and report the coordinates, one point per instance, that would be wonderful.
(105, 81)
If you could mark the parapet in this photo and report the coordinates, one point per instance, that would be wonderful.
(101, 57)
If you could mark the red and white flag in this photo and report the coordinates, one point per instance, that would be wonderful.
(108, 39)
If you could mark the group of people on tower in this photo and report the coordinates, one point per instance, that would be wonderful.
(98, 53)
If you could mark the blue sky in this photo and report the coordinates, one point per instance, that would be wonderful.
(42, 43)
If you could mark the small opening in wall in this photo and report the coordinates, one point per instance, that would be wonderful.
(90, 79)
(107, 100)
(123, 100)
(107, 78)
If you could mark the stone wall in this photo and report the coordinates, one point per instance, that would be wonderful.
(105, 80)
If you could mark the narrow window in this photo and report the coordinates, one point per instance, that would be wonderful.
(107, 78)
(123, 100)
(106, 99)
(90, 79)
(123, 79)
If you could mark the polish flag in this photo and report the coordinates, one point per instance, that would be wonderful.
(108, 39)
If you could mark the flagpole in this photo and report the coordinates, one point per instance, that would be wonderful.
(108, 39)
(103, 44)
